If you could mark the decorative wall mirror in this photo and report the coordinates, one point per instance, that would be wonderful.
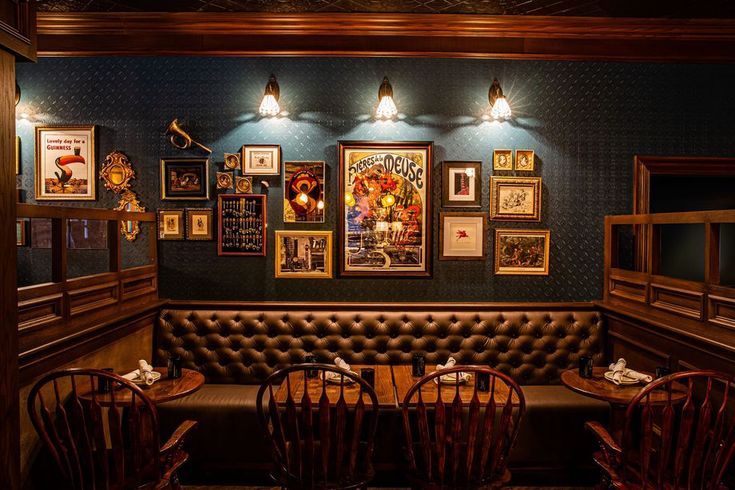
(117, 172)
(129, 202)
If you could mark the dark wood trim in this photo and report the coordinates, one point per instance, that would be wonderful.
(9, 421)
(364, 34)
(42, 359)
(377, 306)
(64, 212)
(18, 34)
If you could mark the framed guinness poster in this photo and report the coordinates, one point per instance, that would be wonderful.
(385, 211)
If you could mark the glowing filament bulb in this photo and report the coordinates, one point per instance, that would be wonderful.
(501, 109)
(386, 107)
(269, 105)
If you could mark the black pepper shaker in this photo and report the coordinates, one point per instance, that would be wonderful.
(175, 364)
(483, 381)
(104, 384)
(418, 365)
(311, 359)
(585, 367)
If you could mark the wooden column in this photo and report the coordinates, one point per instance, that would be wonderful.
(9, 421)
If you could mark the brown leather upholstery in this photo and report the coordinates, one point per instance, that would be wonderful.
(244, 347)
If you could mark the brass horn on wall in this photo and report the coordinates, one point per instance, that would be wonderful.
(181, 139)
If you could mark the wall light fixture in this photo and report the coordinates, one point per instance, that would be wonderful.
(499, 105)
(269, 106)
(386, 107)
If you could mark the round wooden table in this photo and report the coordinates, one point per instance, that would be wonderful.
(163, 390)
(598, 387)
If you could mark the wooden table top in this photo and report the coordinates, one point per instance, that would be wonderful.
(383, 388)
(163, 390)
(404, 380)
(602, 389)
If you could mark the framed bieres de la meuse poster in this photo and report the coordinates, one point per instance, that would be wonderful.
(385, 212)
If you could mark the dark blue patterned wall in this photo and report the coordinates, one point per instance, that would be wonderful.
(584, 120)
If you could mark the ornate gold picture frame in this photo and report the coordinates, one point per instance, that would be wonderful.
(522, 252)
(117, 172)
(515, 198)
(303, 254)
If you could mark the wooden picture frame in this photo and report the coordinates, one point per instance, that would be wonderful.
(21, 232)
(390, 184)
(522, 252)
(458, 231)
(184, 179)
(261, 160)
(524, 161)
(515, 198)
(461, 184)
(242, 224)
(199, 224)
(171, 224)
(311, 259)
(503, 160)
(65, 163)
(303, 180)
(231, 161)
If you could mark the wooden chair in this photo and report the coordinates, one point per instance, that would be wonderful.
(321, 440)
(462, 442)
(672, 445)
(100, 440)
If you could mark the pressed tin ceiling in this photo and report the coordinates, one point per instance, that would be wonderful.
(591, 8)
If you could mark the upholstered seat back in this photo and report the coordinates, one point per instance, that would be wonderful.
(245, 346)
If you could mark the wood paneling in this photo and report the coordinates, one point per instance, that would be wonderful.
(17, 29)
(86, 300)
(416, 35)
(721, 311)
(40, 312)
(679, 301)
(628, 288)
(9, 470)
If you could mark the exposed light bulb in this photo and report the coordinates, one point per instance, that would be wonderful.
(500, 109)
(386, 107)
(320, 204)
(269, 105)
(349, 199)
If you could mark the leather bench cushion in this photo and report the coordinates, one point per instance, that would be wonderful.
(228, 435)
(552, 431)
(245, 346)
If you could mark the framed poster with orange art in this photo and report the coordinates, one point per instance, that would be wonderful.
(385, 208)
(65, 163)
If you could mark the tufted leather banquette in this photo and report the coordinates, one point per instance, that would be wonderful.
(238, 347)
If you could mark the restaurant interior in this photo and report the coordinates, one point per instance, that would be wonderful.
(367, 243)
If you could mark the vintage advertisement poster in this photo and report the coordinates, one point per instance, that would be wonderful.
(303, 192)
(385, 217)
(65, 163)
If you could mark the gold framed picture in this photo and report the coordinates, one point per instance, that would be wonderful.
(503, 160)
(224, 180)
(232, 161)
(170, 224)
(66, 163)
(515, 198)
(524, 161)
(303, 254)
(462, 236)
(184, 179)
(244, 185)
(261, 159)
(522, 252)
(199, 224)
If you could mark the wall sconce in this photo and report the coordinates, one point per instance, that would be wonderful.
(269, 106)
(386, 107)
(498, 103)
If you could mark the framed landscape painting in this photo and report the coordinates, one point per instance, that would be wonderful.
(515, 198)
(522, 252)
(461, 184)
(462, 236)
(303, 254)
(385, 208)
(184, 179)
(65, 163)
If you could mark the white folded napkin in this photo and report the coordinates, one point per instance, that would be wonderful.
(340, 363)
(451, 377)
(621, 372)
(144, 372)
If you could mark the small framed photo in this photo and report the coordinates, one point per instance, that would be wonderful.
(522, 252)
(21, 237)
(199, 224)
(66, 163)
(503, 160)
(462, 236)
(184, 179)
(461, 183)
(261, 160)
(515, 198)
(303, 192)
(303, 254)
(224, 180)
(524, 161)
(170, 224)
(244, 185)
(232, 161)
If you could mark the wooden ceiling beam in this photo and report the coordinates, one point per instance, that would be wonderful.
(364, 35)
